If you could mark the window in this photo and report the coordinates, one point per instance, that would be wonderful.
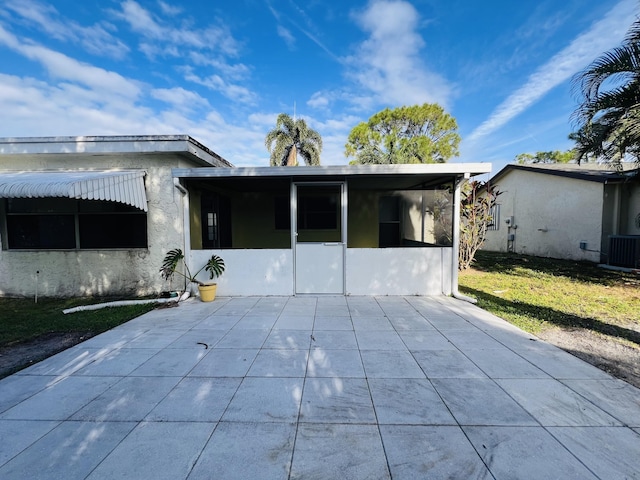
(494, 213)
(60, 223)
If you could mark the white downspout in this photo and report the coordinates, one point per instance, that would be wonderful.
(456, 242)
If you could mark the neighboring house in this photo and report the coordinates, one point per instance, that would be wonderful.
(354, 230)
(568, 211)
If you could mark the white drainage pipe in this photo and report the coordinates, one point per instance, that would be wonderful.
(122, 303)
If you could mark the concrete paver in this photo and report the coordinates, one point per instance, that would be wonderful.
(317, 387)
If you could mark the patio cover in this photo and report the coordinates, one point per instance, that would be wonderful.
(123, 186)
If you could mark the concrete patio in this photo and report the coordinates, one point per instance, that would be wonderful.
(317, 388)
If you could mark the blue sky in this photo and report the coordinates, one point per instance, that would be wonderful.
(221, 71)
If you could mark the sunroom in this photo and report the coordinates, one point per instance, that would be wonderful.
(338, 230)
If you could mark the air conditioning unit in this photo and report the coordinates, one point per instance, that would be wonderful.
(624, 251)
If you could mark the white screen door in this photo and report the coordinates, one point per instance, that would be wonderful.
(319, 219)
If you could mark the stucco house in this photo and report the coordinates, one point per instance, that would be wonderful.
(95, 216)
(577, 212)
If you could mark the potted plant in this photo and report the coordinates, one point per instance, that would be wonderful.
(215, 267)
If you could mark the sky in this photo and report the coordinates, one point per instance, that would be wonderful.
(221, 71)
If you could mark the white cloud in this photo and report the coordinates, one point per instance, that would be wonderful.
(179, 98)
(66, 68)
(215, 82)
(603, 35)
(286, 35)
(389, 63)
(96, 38)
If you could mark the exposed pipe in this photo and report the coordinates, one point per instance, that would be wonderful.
(123, 303)
(456, 242)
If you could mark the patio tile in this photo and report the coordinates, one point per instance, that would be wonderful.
(617, 398)
(471, 340)
(131, 399)
(378, 340)
(22, 434)
(330, 310)
(219, 322)
(49, 457)
(174, 362)
(334, 339)
(241, 338)
(479, 401)
(449, 322)
(610, 452)
(426, 340)
(16, 388)
(288, 339)
(295, 322)
(408, 401)
(410, 323)
(339, 451)
(67, 362)
(60, 400)
(525, 453)
(334, 363)
(503, 363)
(390, 364)
(446, 364)
(417, 451)
(191, 338)
(225, 362)
(169, 451)
(246, 451)
(332, 323)
(196, 399)
(118, 362)
(560, 364)
(554, 404)
(279, 363)
(257, 322)
(265, 400)
(337, 400)
(371, 323)
(155, 339)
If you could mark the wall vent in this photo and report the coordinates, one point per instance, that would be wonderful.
(624, 251)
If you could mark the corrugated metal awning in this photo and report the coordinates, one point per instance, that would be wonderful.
(123, 186)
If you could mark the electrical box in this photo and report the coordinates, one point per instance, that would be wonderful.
(511, 237)
(508, 220)
(583, 245)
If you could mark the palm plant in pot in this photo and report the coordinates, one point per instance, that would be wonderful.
(215, 266)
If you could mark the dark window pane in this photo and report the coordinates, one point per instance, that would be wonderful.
(113, 231)
(41, 231)
(282, 208)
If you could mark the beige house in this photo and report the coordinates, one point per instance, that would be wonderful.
(568, 211)
(96, 215)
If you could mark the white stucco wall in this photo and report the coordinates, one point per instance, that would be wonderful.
(369, 271)
(398, 271)
(553, 215)
(100, 272)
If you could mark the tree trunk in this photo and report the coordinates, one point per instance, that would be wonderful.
(292, 158)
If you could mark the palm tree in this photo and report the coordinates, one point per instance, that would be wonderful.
(608, 118)
(292, 137)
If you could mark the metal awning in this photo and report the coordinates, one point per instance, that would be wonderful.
(123, 186)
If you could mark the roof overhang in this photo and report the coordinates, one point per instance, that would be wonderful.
(182, 145)
(374, 176)
(122, 186)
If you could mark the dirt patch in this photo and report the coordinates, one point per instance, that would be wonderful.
(17, 356)
(620, 359)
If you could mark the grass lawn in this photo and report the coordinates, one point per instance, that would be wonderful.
(538, 293)
(23, 319)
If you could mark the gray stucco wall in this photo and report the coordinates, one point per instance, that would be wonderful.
(100, 272)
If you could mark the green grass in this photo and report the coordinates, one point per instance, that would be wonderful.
(22, 319)
(538, 293)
